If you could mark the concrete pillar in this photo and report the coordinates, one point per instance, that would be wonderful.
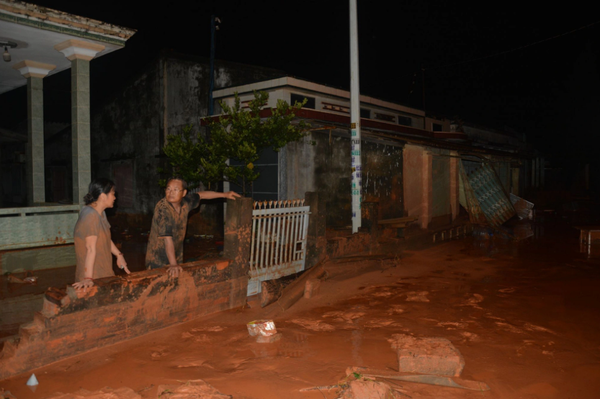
(80, 53)
(35, 72)
(514, 188)
(454, 185)
(427, 189)
(80, 128)
(238, 235)
(316, 240)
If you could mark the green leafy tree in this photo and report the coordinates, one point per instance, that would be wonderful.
(238, 134)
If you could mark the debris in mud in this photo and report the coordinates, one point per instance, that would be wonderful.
(293, 292)
(261, 327)
(271, 290)
(312, 288)
(104, 393)
(264, 331)
(523, 207)
(427, 355)
(429, 379)
(28, 279)
(369, 389)
(6, 394)
(193, 389)
(208, 328)
(32, 382)
(356, 386)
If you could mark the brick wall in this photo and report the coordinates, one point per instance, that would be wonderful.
(120, 308)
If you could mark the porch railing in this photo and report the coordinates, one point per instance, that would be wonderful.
(37, 226)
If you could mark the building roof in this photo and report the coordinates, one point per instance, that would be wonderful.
(36, 30)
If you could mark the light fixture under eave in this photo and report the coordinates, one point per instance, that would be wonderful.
(6, 44)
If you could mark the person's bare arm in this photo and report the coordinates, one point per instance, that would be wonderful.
(174, 269)
(88, 268)
(214, 194)
(120, 258)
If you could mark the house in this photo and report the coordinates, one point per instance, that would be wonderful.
(130, 129)
(411, 161)
(39, 43)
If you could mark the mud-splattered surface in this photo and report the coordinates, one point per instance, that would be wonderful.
(525, 317)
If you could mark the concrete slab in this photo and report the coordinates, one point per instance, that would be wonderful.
(427, 355)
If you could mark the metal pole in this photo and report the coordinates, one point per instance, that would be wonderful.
(355, 120)
(213, 28)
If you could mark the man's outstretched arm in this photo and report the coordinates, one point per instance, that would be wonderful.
(214, 194)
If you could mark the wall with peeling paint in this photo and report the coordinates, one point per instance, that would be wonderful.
(414, 191)
(431, 186)
(441, 210)
(128, 131)
(321, 163)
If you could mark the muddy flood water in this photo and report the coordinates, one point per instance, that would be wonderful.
(525, 316)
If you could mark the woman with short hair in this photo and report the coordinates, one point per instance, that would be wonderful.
(93, 244)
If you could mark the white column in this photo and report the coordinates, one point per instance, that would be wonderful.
(80, 53)
(35, 72)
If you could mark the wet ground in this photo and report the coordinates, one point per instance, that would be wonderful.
(525, 316)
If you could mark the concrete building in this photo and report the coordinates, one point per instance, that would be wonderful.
(130, 129)
(411, 161)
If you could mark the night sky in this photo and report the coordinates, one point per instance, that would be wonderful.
(503, 64)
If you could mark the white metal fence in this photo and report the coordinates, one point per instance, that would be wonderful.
(278, 246)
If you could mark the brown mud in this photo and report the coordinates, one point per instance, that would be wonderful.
(525, 316)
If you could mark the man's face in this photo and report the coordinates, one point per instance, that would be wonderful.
(175, 192)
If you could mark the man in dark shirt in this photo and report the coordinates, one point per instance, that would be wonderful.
(169, 223)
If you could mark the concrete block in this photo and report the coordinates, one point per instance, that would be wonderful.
(312, 287)
(427, 356)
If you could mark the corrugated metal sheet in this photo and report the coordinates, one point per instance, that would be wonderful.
(484, 197)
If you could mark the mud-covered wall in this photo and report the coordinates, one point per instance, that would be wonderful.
(120, 308)
(415, 187)
(125, 133)
(441, 210)
(321, 163)
(431, 185)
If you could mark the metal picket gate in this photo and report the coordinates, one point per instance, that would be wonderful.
(278, 246)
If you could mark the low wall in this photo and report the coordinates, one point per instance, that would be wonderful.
(20, 260)
(120, 308)
(342, 246)
(16, 311)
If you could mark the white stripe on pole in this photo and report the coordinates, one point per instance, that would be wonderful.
(355, 120)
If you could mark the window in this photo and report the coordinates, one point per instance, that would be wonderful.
(365, 113)
(310, 103)
(335, 107)
(384, 117)
(404, 120)
(436, 127)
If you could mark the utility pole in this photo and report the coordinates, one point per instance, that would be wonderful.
(213, 28)
(355, 120)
